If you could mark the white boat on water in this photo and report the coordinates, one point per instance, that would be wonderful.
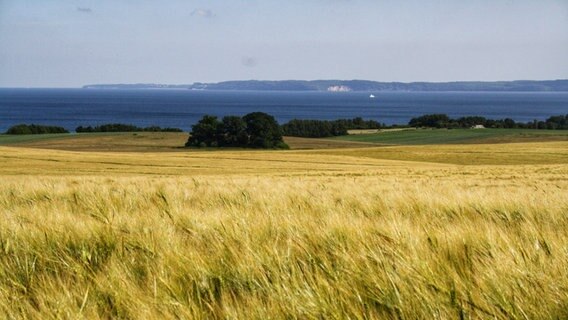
(371, 96)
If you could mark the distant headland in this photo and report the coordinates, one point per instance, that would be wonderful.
(353, 85)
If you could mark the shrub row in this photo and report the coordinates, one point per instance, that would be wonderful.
(443, 121)
(322, 128)
(35, 129)
(313, 128)
(119, 127)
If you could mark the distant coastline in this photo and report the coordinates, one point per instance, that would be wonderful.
(355, 85)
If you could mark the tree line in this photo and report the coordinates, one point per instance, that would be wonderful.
(120, 127)
(111, 127)
(35, 129)
(443, 121)
(260, 130)
(324, 128)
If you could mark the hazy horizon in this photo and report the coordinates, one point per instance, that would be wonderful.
(71, 43)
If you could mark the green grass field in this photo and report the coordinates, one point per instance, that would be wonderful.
(444, 136)
(8, 139)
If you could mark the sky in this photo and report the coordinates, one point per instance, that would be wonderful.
(70, 43)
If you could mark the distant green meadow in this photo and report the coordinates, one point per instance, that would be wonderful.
(443, 136)
(7, 139)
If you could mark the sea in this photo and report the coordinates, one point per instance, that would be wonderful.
(180, 108)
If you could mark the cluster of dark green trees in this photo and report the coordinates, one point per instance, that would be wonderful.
(119, 127)
(313, 128)
(554, 122)
(254, 130)
(359, 123)
(35, 129)
(322, 128)
(443, 121)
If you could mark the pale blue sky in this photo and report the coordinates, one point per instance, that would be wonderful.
(68, 43)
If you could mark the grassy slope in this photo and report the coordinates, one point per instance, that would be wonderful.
(8, 139)
(126, 141)
(443, 136)
(75, 138)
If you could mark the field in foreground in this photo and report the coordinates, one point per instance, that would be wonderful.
(297, 234)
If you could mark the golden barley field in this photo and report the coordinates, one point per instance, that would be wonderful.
(414, 232)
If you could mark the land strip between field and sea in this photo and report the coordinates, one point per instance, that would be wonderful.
(168, 141)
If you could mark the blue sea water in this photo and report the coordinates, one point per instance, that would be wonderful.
(182, 108)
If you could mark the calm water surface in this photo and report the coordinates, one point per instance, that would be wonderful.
(182, 108)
